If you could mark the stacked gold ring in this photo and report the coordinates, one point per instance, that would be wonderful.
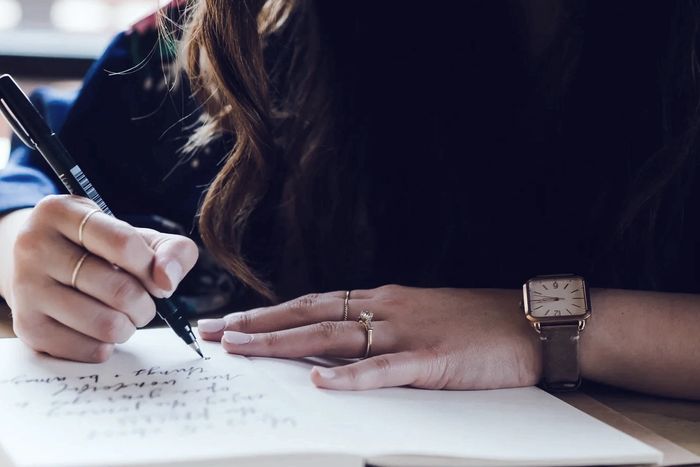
(81, 228)
(346, 305)
(366, 321)
(76, 270)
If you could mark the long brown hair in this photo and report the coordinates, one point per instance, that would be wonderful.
(224, 60)
(268, 106)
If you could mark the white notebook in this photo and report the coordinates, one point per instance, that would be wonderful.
(155, 402)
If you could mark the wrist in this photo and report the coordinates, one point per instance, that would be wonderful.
(10, 225)
(532, 363)
(557, 307)
(593, 351)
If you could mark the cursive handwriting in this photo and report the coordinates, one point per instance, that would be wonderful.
(152, 401)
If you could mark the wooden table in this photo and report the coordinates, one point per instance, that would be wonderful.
(675, 420)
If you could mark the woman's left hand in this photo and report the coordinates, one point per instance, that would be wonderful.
(425, 338)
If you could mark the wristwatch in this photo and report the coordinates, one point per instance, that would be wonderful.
(558, 307)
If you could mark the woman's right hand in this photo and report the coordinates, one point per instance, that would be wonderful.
(111, 298)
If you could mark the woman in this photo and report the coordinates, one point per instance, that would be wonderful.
(457, 150)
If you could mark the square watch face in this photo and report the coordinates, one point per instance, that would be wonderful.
(557, 297)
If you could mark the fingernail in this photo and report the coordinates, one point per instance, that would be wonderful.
(237, 338)
(326, 373)
(211, 325)
(174, 272)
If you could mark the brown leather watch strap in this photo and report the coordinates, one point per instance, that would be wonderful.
(560, 364)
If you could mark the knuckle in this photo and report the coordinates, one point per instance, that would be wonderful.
(100, 353)
(111, 328)
(125, 292)
(391, 302)
(326, 330)
(436, 365)
(242, 322)
(29, 329)
(389, 289)
(152, 237)
(28, 242)
(271, 339)
(51, 205)
(302, 304)
(391, 296)
(126, 242)
(352, 374)
(382, 364)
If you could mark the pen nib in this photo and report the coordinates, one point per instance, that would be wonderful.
(195, 346)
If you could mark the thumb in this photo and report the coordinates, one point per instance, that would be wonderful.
(397, 369)
(174, 256)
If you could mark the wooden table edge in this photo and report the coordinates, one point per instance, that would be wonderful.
(673, 454)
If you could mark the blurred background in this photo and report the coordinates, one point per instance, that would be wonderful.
(53, 42)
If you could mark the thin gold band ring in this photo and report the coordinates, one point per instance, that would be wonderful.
(346, 306)
(76, 270)
(81, 229)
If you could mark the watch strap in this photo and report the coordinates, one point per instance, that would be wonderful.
(560, 363)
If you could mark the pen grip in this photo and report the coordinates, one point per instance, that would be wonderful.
(32, 129)
(168, 312)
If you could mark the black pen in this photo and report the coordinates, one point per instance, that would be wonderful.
(31, 128)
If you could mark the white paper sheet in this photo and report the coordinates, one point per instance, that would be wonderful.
(156, 402)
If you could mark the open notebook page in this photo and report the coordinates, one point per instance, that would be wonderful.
(154, 401)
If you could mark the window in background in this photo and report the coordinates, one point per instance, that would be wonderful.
(66, 28)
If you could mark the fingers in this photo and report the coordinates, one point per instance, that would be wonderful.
(118, 242)
(312, 326)
(112, 284)
(100, 280)
(175, 256)
(344, 339)
(104, 236)
(309, 309)
(396, 369)
(87, 316)
(46, 335)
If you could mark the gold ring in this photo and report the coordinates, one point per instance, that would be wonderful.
(76, 269)
(366, 321)
(81, 229)
(346, 306)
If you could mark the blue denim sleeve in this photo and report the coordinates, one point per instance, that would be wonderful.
(125, 128)
(27, 178)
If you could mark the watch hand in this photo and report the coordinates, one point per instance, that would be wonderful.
(546, 299)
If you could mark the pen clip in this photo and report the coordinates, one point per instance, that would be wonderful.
(16, 125)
